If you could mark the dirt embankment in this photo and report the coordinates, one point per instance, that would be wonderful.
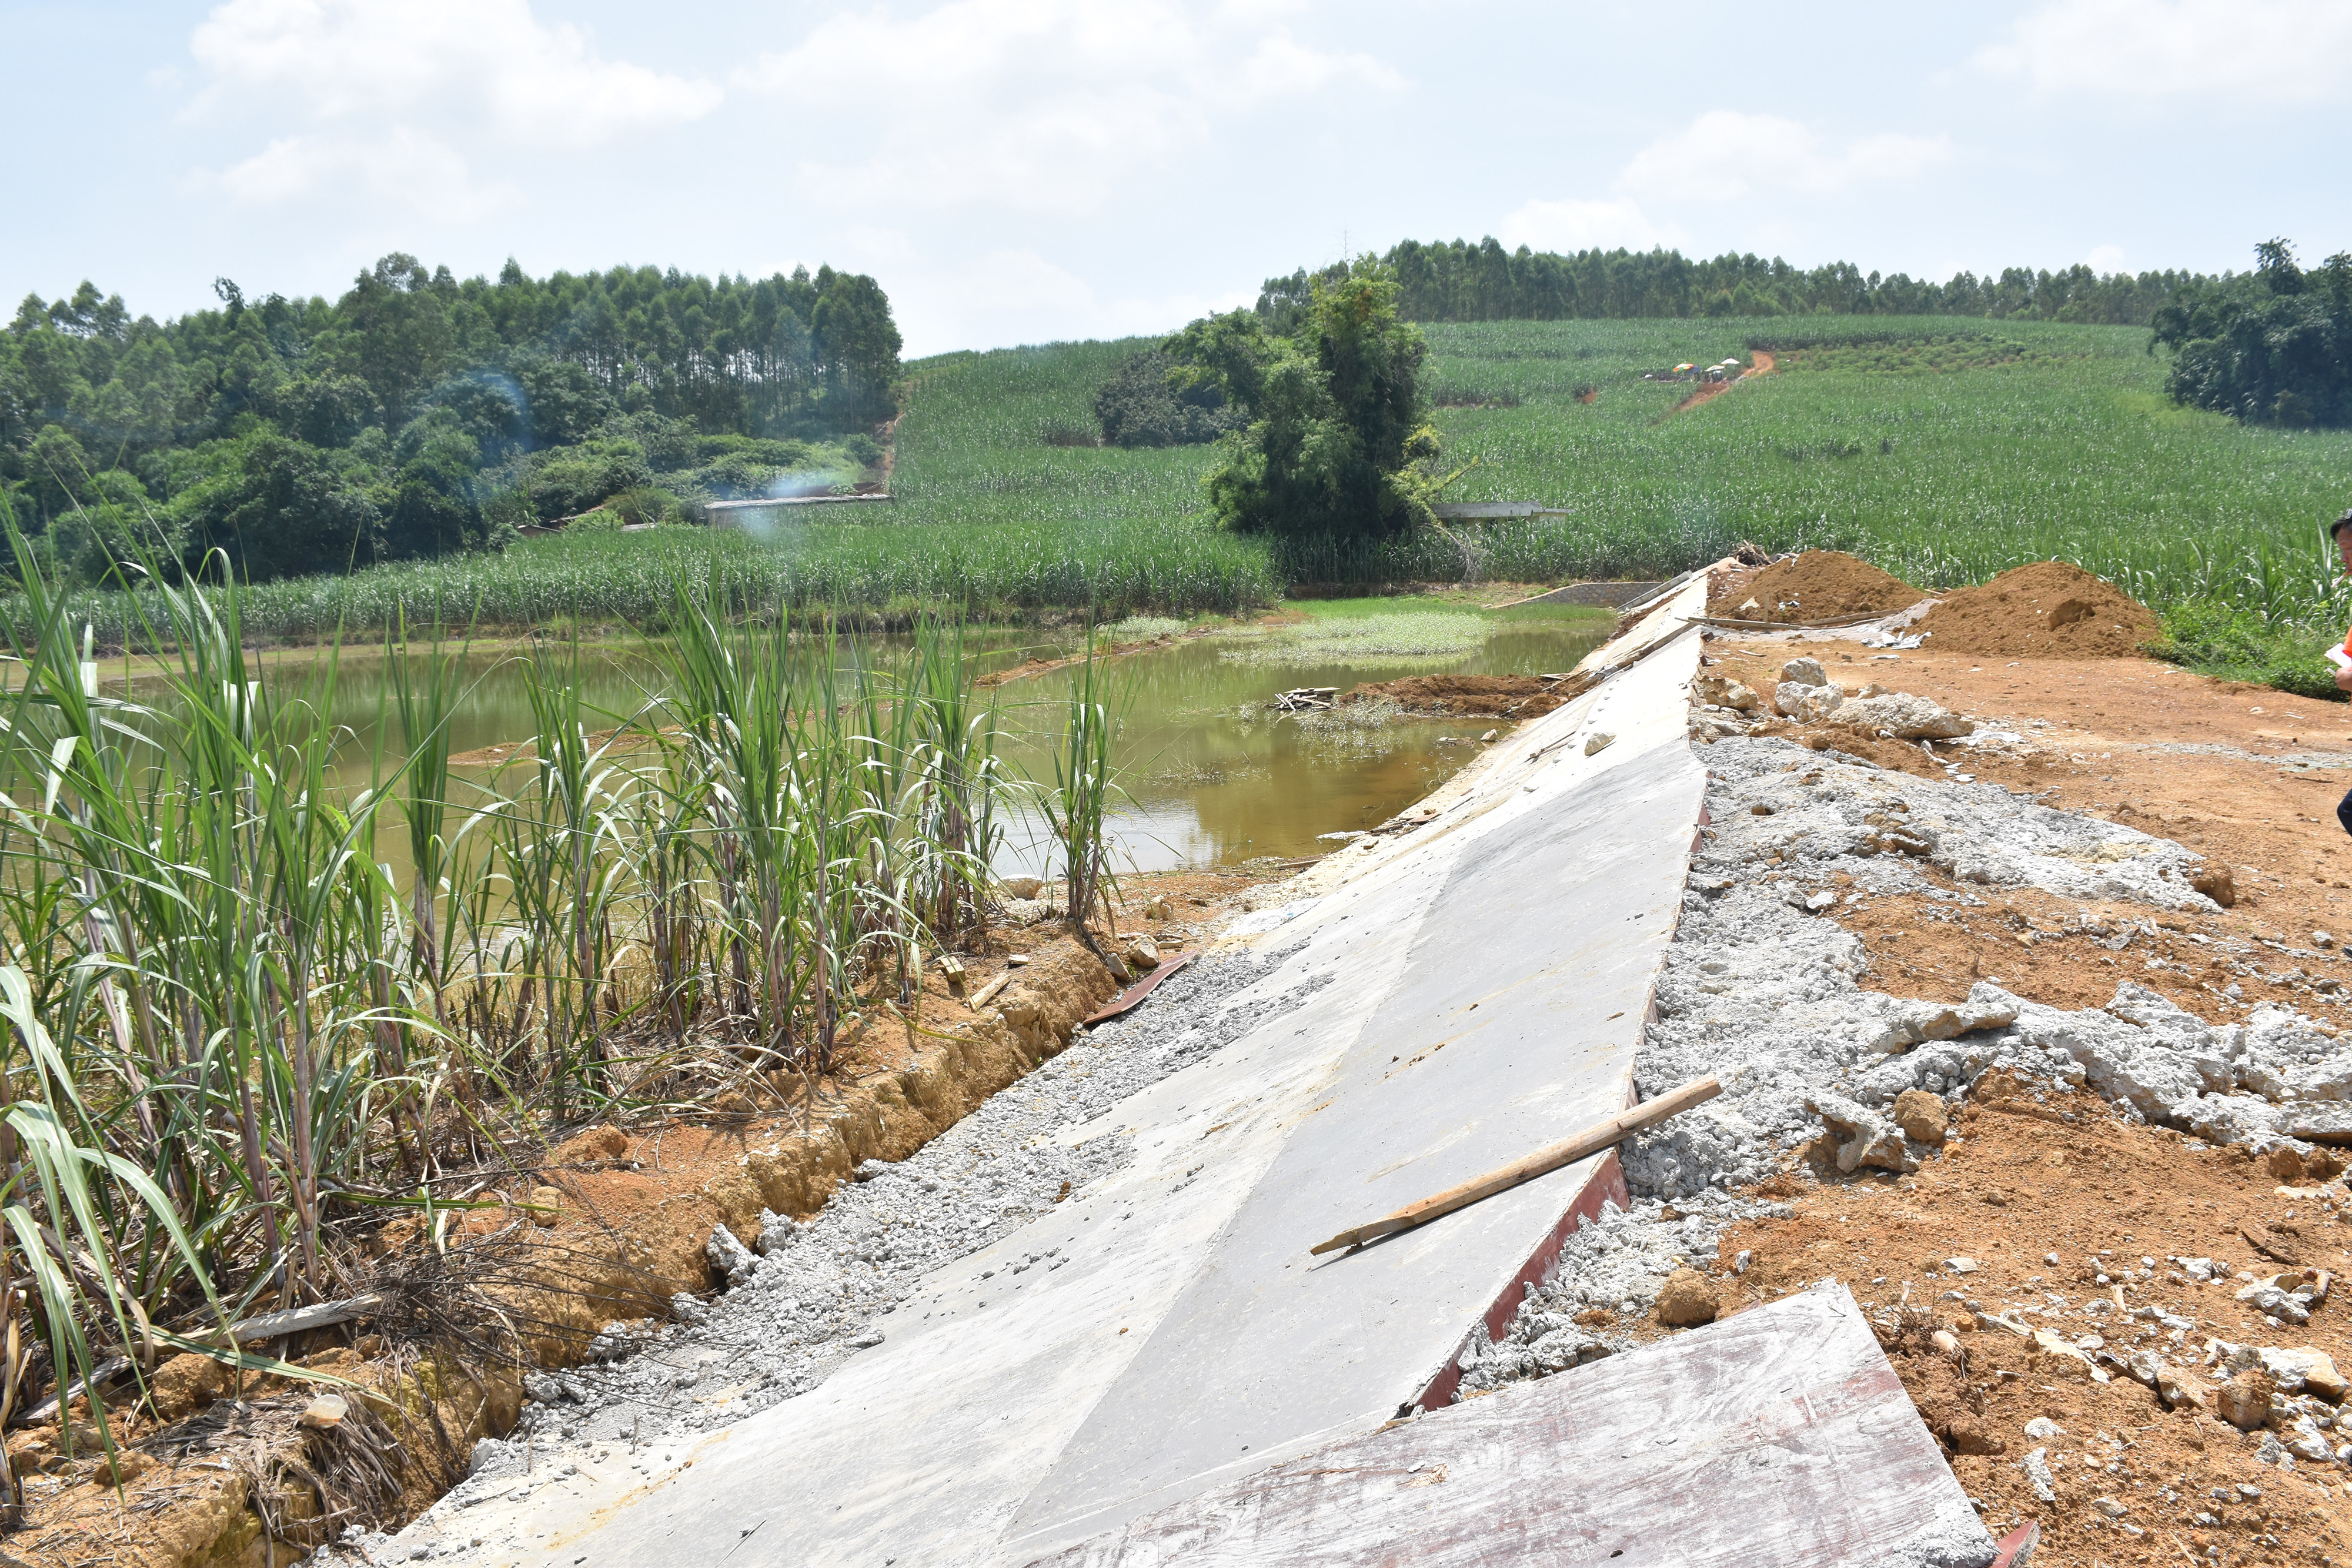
(1471, 696)
(524, 1266)
(1808, 589)
(2045, 610)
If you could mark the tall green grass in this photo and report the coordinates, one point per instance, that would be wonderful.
(230, 1036)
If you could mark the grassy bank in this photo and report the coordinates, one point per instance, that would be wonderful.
(232, 1037)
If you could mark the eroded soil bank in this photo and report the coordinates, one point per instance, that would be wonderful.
(612, 1225)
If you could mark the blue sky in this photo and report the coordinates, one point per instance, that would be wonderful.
(1018, 170)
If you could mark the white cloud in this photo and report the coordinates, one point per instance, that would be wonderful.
(339, 58)
(1037, 104)
(1582, 225)
(2282, 50)
(2104, 258)
(390, 97)
(405, 166)
(1724, 154)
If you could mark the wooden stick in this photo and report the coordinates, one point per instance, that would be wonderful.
(1550, 1157)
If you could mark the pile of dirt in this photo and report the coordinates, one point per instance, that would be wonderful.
(1472, 697)
(1809, 589)
(2049, 609)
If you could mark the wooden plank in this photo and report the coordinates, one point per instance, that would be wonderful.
(1127, 999)
(1780, 1436)
(1544, 1161)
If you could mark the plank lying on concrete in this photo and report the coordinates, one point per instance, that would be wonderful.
(1452, 997)
(1777, 1437)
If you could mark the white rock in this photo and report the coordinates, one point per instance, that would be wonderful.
(1599, 742)
(730, 1258)
(1807, 703)
(1913, 1022)
(2042, 1428)
(1020, 886)
(1865, 1138)
(1906, 717)
(1722, 691)
(1803, 672)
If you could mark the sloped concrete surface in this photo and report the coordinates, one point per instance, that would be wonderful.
(1465, 993)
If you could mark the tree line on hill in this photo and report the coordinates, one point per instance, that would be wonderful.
(1454, 280)
(420, 415)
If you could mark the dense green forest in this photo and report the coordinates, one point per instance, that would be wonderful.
(420, 415)
(2274, 347)
(1454, 280)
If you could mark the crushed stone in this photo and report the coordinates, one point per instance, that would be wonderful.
(1763, 993)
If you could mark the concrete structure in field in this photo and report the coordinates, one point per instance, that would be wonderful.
(1465, 993)
(1493, 511)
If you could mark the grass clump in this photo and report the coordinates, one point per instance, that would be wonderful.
(1141, 629)
(1404, 634)
(2236, 645)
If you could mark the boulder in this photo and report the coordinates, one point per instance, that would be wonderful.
(1807, 703)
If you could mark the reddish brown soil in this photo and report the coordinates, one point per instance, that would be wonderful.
(1470, 696)
(2049, 610)
(1818, 586)
(2015, 1189)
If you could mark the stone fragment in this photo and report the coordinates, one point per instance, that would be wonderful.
(1913, 1022)
(2042, 1428)
(2273, 1301)
(2246, 1400)
(2180, 1389)
(1946, 1343)
(776, 1231)
(2317, 1122)
(1143, 953)
(2055, 1356)
(1905, 717)
(1960, 1265)
(1162, 908)
(1020, 886)
(1722, 691)
(1922, 1115)
(1804, 672)
(2216, 882)
(1968, 1435)
(2113, 1507)
(2305, 1440)
(1599, 742)
(2036, 1466)
(324, 1412)
(1686, 1300)
(1865, 1138)
(730, 1258)
(546, 1205)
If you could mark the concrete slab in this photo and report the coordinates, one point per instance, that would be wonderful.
(1780, 1436)
(1463, 994)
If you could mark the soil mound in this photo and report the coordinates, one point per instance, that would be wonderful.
(1807, 589)
(2049, 610)
(1479, 696)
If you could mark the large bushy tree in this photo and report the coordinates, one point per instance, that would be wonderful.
(1337, 432)
(2274, 347)
(403, 415)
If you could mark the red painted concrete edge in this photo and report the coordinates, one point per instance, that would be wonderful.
(2015, 1548)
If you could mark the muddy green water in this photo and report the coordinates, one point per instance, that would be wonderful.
(1212, 778)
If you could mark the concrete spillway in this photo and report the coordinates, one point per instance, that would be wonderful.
(1470, 991)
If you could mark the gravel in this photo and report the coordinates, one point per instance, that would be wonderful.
(1761, 991)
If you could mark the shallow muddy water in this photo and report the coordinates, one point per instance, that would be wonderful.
(1212, 777)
